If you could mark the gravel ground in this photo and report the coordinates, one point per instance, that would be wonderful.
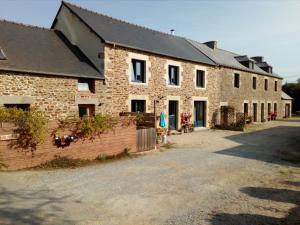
(210, 177)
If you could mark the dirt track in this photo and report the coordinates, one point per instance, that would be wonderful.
(211, 177)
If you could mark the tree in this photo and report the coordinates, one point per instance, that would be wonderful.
(293, 90)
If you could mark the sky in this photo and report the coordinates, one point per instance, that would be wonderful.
(269, 28)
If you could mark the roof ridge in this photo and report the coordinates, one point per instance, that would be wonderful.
(25, 25)
(120, 20)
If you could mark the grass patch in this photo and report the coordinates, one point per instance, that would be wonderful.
(63, 162)
(60, 162)
(289, 172)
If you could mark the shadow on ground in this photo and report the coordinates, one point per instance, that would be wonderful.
(272, 145)
(14, 208)
(278, 195)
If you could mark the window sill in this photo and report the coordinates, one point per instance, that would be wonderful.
(138, 83)
(200, 88)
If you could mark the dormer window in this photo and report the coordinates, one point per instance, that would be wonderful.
(251, 65)
(245, 61)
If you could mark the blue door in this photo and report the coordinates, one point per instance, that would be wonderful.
(199, 113)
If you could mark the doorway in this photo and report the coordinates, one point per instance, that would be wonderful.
(287, 110)
(199, 113)
(262, 119)
(173, 115)
(254, 112)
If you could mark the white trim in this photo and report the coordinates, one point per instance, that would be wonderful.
(198, 67)
(138, 56)
(224, 104)
(138, 97)
(173, 63)
(204, 99)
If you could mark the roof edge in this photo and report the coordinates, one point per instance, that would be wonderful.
(153, 52)
(188, 41)
(65, 4)
(50, 74)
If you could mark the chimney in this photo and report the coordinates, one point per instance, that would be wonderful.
(172, 31)
(258, 59)
(211, 44)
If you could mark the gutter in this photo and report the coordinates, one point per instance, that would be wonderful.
(51, 74)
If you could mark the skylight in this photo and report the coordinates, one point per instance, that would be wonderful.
(2, 55)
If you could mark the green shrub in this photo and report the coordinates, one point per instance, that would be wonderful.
(87, 127)
(30, 128)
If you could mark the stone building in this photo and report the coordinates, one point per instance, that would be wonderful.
(88, 63)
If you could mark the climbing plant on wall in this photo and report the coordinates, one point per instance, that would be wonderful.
(30, 127)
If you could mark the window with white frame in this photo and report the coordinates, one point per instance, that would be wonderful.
(200, 78)
(138, 71)
(138, 105)
(173, 75)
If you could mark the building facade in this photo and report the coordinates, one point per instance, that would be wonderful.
(110, 66)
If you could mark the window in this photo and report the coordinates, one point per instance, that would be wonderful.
(86, 110)
(251, 65)
(138, 71)
(246, 109)
(275, 107)
(266, 84)
(269, 108)
(254, 83)
(86, 85)
(18, 106)
(200, 78)
(276, 83)
(236, 80)
(138, 105)
(173, 75)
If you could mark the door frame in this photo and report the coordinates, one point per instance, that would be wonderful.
(201, 99)
(204, 113)
(262, 112)
(173, 98)
(177, 117)
(256, 111)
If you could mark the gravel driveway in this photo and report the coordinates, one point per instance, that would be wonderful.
(210, 177)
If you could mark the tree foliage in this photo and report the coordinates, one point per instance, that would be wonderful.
(293, 90)
(29, 126)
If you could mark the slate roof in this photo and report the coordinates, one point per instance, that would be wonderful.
(226, 58)
(118, 32)
(285, 96)
(43, 51)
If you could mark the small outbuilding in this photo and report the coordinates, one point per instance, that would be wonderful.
(286, 104)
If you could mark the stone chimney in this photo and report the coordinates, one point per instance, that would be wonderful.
(172, 31)
(211, 44)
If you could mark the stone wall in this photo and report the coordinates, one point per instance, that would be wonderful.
(245, 93)
(57, 96)
(121, 90)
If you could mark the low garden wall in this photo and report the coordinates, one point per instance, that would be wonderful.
(109, 143)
